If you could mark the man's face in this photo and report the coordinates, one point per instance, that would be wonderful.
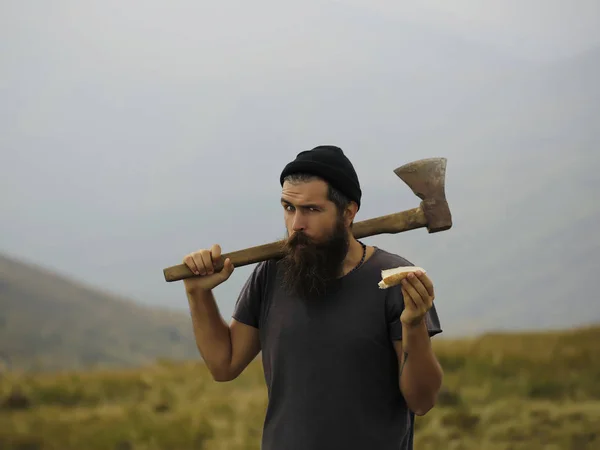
(307, 209)
(317, 238)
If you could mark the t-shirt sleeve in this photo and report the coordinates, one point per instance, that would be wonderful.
(394, 308)
(247, 309)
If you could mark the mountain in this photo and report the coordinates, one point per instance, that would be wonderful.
(50, 322)
(142, 153)
(525, 195)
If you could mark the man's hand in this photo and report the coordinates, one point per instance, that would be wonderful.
(202, 263)
(417, 290)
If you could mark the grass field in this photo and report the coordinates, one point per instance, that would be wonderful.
(521, 391)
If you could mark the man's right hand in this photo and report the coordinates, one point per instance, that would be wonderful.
(202, 264)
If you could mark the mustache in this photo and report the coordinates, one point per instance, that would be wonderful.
(299, 238)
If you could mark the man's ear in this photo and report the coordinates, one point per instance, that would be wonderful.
(350, 213)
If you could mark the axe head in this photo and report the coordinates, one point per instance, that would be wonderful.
(427, 178)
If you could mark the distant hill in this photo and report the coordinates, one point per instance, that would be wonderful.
(51, 322)
(522, 141)
(536, 244)
(525, 195)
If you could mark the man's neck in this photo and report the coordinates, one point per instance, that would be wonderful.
(353, 257)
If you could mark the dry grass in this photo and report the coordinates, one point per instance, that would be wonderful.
(536, 391)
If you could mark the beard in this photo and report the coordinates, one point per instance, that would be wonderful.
(311, 267)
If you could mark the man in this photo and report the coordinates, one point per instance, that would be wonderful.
(347, 364)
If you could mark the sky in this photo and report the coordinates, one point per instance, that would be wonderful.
(132, 133)
(530, 29)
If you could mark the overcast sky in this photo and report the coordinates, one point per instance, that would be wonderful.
(536, 29)
(134, 132)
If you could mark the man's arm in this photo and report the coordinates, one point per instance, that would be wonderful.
(226, 349)
(421, 374)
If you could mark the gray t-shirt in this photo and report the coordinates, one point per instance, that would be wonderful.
(331, 370)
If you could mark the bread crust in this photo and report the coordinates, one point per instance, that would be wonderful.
(393, 277)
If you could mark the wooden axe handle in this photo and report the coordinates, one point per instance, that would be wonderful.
(238, 258)
(392, 223)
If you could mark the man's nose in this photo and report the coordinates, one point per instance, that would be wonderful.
(299, 222)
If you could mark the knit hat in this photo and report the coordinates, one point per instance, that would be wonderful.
(329, 163)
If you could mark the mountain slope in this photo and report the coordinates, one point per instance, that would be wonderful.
(525, 194)
(51, 322)
(521, 140)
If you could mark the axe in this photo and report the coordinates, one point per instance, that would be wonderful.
(425, 177)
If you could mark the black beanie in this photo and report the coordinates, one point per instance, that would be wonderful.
(329, 163)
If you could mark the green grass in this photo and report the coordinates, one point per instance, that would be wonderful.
(521, 391)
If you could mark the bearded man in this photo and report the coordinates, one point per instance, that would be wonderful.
(347, 365)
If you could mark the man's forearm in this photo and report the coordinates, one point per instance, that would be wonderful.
(421, 378)
(212, 334)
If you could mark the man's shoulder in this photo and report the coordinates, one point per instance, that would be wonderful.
(385, 259)
(267, 266)
(263, 271)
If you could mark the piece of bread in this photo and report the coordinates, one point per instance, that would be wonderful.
(392, 277)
